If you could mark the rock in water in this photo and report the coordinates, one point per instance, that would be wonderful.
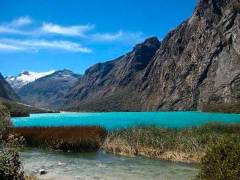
(42, 171)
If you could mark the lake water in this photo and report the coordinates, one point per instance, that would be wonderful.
(117, 120)
(101, 166)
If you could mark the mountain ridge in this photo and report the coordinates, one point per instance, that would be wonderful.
(46, 91)
(196, 64)
(6, 91)
(25, 77)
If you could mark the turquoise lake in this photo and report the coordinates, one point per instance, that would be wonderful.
(118, 120)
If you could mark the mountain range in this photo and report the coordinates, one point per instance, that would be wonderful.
(25, 78)
(47, 92)
(196, 64)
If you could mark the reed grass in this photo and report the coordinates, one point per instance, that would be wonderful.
(187, 145)
(78, 139)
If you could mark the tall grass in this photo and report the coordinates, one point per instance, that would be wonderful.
(183, 144)
(79, 139)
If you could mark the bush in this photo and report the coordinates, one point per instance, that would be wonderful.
(222, 161)
(10, 166)
(4, 120)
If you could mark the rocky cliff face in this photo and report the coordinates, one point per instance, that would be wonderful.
(48, 91)
(6, 92)
(197, 63)
(111, 86)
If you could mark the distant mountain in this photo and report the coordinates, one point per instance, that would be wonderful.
(48, 91)
(25, 77)
(12, 102)
(197, 63)
(6, 91)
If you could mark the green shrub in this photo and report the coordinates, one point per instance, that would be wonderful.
(10, 166)
(4, 120)
(222, 161)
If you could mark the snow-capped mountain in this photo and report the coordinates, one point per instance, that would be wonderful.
(26, 77)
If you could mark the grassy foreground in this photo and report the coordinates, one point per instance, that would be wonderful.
(186, 145)
(79, 139)
(214, 146)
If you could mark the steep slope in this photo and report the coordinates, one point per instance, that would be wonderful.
(198, 63)
(12, 102)
(6, 92)
(104, 85)
(48, 91)
(25, 77)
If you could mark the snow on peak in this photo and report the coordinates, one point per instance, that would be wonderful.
(26, 77)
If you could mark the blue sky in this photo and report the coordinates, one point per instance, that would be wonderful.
(43, 35)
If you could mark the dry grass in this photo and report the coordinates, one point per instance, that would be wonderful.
(186, 145)
(30, 178)
(79, 139)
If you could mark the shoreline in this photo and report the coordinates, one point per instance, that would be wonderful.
(102, 162)
(187, 145)
(156, 154)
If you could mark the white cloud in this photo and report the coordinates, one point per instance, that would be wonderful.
(21, 21)
(30, 36)
(7, 30)
(36, 45)
(78, 30)
(107, 36)
(14, 26)
(120, 36)
(7, 47)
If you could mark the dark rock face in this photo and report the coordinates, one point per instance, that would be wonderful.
(111, 86)
(197, 63)
(48, 91)
(6, 92)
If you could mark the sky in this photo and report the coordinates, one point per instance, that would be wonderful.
(43, 35)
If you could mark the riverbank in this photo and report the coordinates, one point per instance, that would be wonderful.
(99, 165)
(182, 145)
(187, 145)
(17, 109)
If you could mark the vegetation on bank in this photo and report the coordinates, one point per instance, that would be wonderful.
(214, 146)
(4, 120)
(21, 110)
(221, 108)
(10, 166)
(185, 145)
(78, 139)
(222, 161)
